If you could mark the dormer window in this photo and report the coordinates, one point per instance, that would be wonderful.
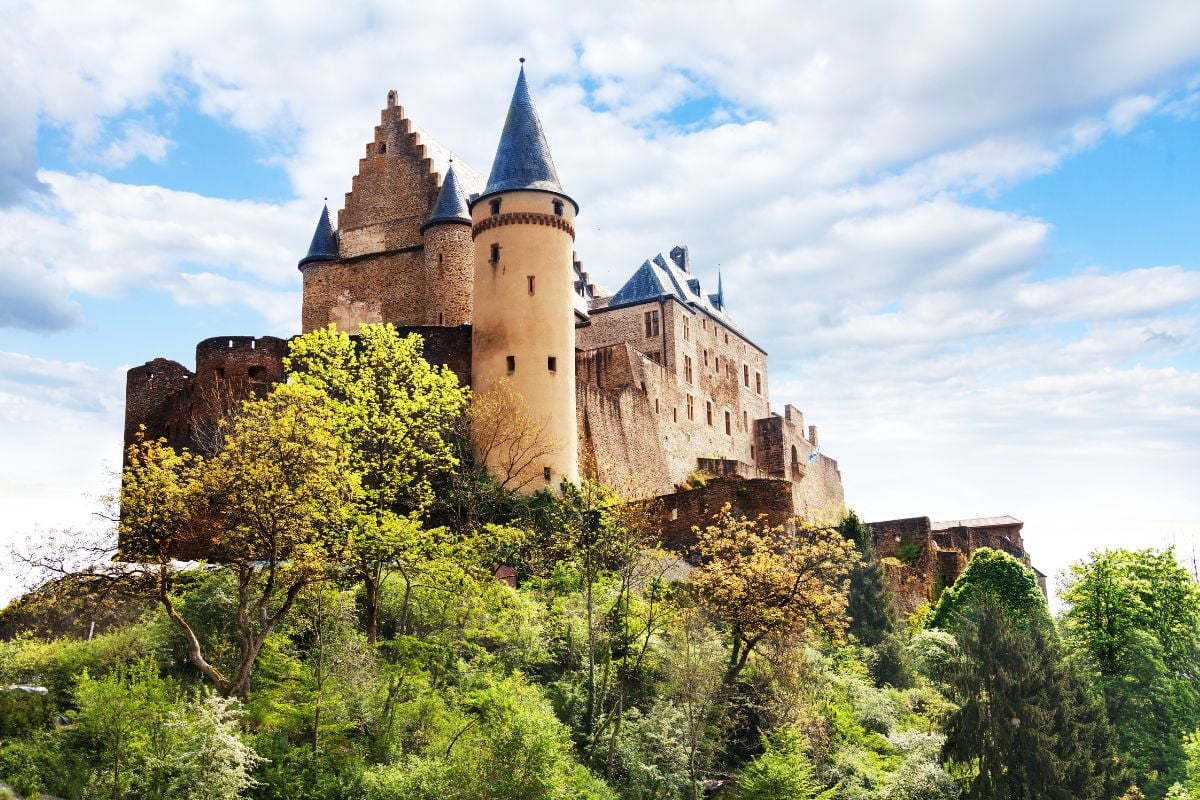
(495, 206)
(558, 208)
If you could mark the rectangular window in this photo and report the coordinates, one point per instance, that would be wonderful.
(529, 280)
(495, 259)
(546, 474)
(656, 405)
(686, 329)
(651, 324)
(441, 318)
(746, 374)
(691, 409)
(511, 363)
(751, 452)
(687, 368)
(726, 338)
(495, 206)
(758, 382)
(655, 356)
(745, 420)
(675, 414)
(552, 363)
(728, 425)
(706, 358)
(708, 411)
(558, 208)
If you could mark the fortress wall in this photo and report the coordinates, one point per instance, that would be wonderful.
(151, 393)
(819, 496)
(684, 510)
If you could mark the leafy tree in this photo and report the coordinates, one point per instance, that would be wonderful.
(995, 578)
(763, 581)
(1135, 616)
(272, 503)
(1026, 723)
(782, 772)
(210, 761)
(394, 412)
(1189, 788)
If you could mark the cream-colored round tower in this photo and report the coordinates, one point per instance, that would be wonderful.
(523, 320)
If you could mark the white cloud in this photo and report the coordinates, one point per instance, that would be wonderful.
(135, 141)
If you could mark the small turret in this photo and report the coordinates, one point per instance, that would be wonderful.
(324, 245)
(449, 262)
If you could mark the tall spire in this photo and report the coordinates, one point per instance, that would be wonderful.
(720, 292)
(523, 158)
(324, 244)
(451, 203)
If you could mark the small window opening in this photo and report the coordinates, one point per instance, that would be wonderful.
(745, 420)
(382, 148)
(441, 318)
(529, 279)
(558, 208)
(495, 206)
(546, 473)
(691, 409)
(656, 405)
(651, 318)
(511, 363)
(752, 452)
(257, 373)
(675, 414)
(728, 425)
(758, 382)
(495, 259)
(220, 372)
(746, 374)
(708, 411)
(727, 338)
(686, 329)
(552, 363)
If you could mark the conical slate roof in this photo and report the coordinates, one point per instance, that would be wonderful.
(523, 158)
(324, 244)
(451, 203)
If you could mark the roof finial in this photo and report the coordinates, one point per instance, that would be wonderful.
(521, 59)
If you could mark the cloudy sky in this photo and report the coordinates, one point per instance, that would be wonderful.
(965, 233)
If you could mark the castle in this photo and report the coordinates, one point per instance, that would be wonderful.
(653, 389)
(644, 387)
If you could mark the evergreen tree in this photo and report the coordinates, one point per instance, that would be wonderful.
(1027, 726)
(869, 605)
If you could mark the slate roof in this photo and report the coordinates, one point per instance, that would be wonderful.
(661, 278)
(451, 203)
(979, 522)
(522, 158)
(324, 245)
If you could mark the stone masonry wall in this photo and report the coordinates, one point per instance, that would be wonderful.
(683, 510)
(384, 274)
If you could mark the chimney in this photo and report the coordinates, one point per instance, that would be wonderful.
(812, 435)
(679, 254)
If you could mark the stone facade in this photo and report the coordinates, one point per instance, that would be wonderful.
(922, 557)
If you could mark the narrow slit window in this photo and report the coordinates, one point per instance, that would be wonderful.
(441, 318)
(529, 280)
(746, 374)
(708, 411)
(691, 408)
(511, 363)
(758, 382)
(675, 414)
(495, 254)
(552, 363)
(656, 405)
(728, 425)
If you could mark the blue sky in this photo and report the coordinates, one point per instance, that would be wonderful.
(965, 235)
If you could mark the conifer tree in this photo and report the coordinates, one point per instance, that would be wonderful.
(1027, 725)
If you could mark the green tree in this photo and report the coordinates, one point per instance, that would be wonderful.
(1189, 788)
(1026, 725)
(782, 772)
(997, 578)
(272, 505)
(869, 603)
(395, 413)
(1135, 617)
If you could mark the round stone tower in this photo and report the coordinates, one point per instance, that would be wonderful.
(523, 326)
(449, 266)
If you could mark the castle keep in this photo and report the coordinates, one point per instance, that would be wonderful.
(641, 388)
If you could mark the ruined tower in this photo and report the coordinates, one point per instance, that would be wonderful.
(524, 320)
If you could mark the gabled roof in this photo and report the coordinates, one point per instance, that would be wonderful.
(661, 278)
(451, 203)
(324, 245)
(523, 158)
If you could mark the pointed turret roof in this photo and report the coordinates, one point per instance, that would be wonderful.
(451, 203)
(324, 245)
(523, 158)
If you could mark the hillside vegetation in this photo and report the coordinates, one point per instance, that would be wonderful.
(354, 637)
